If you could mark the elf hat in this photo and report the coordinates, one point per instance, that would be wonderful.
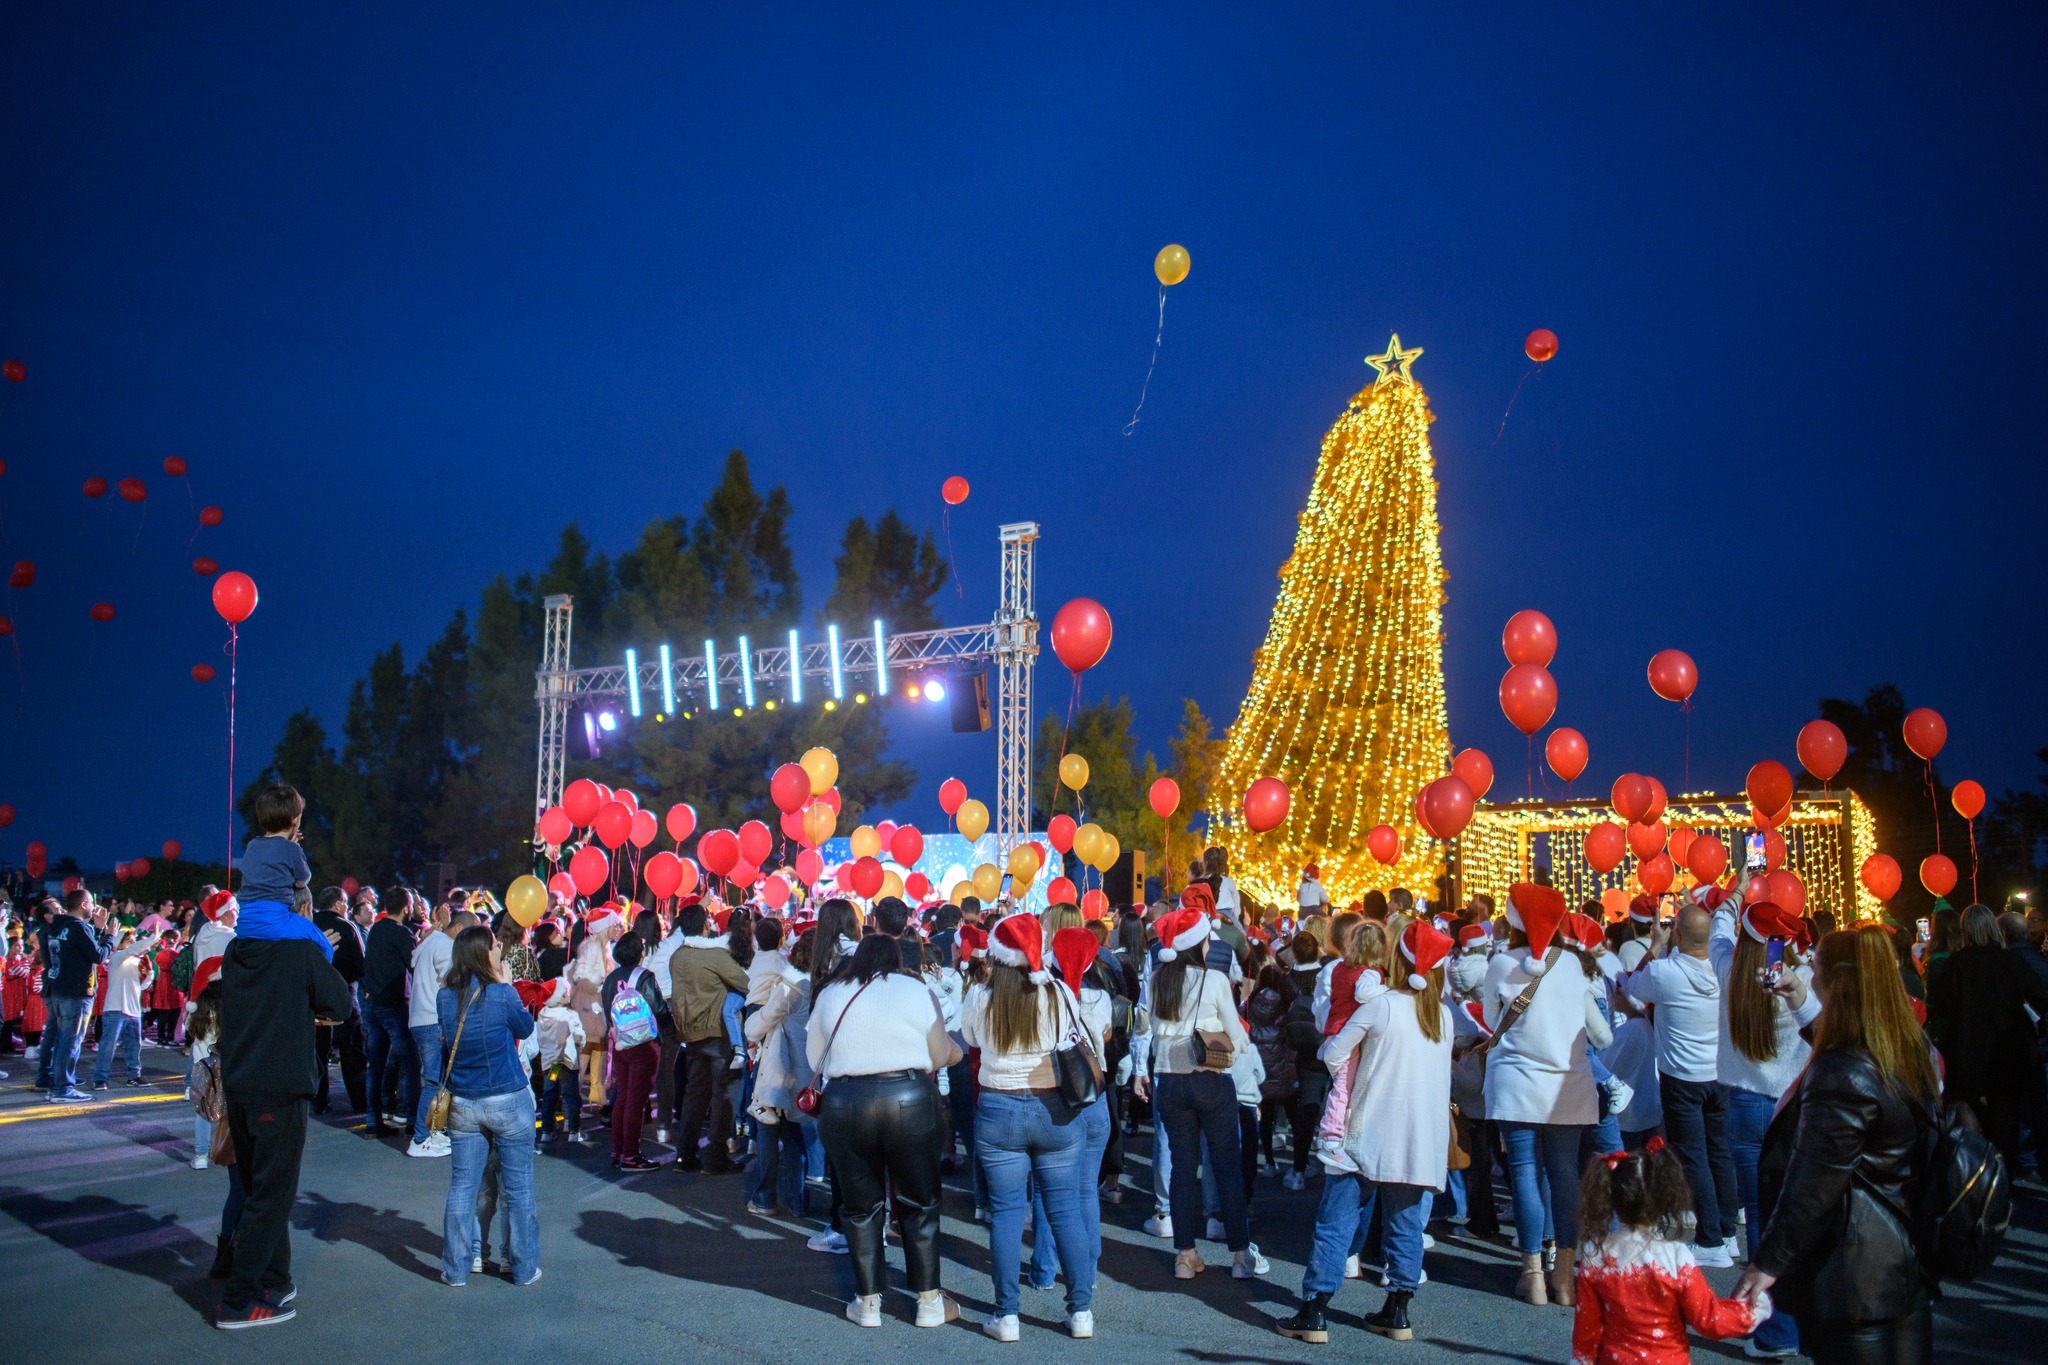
(1425, 946)
(1019, 941)
(1182, 931)
(1643, 909)
(1765, 921)
(218, 904)
(1537, 911)
(1072, 951)
(1473, 936)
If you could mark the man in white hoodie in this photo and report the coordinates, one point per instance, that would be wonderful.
(1680, 981)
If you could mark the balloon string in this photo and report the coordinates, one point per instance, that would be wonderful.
(1159, 336)
(1529, 782)
(1533, 369)
(952, 560)
(1934, 800)
(1974, 898)
(1686, 710)
(138, 530)
(233, 638)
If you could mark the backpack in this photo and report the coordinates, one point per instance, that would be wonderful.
(1962, 1201)
(632, 1020)
(182, 967)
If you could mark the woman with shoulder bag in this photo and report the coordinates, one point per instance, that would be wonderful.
(1844, 1150)
(874, 1038)
(485, 1104)
(1187, 1035)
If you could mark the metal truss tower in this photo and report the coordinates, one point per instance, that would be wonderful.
(1016, 655)
(555, 692)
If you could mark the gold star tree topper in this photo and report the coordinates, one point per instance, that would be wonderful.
(1393, 363)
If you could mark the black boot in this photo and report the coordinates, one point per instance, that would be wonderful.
(1309, 1324)
(223, 1259)
(1392, 1319)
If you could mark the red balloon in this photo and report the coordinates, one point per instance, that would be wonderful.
(1647, 841)
(954, 490)
(1165, 798)
(1968, 799)
(1774, 850)
(792, 822)
(831, 798)
(555, 826)
(1673, 675)
(563, 885)
(1631, 797)
(1657, 798)
(14, 370)
(775, 891)
(1094, 903)
(756, 843)
(681, 821)
(1384, 844)
(664, 873)
(790, 788)
(719, 851)
(139, 868)
(865, 877)
(1062, 891)
(1448, 801)
(6, 626)
(1706, 857)
(1881, 876)
(95, 487)
(1655, 875)
(204, 567)
(952, 795)
(645, 827)
(885, 833)
(174, 466)
(614, 824)
(1265, 804)
(1679, 842)
(103, 612)
(1605, 845)
(1786, 891)
(1529, 639)
(209, 516)
(1540, 345)
(121, 872)
(1822, 748)
(581, 802)
(744, 875)
(172, 848)
(1080, 634)
(906, 846)
(1060, 830)
(1528, 697)
(1926, 732)
(234, 596)
(24, 574)
(1937, 874)
(625, 797)
(1422, 815)
(202, 673)
(917, 885)
(809, 866)
(1475, 769)
(36, 850)
(589, 870)
(6, 816)
(1769, 787)
(132, 490)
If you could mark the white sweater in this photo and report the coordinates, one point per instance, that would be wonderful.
(1398, 1128)
(897, 1026)
(1687, 994)
(1207, 1003)
(1027, 1068)
(124, 977)
(1774, 1077)
(1537, 1073)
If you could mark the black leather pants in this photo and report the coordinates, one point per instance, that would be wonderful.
(882, 1132)
(1898, 1341)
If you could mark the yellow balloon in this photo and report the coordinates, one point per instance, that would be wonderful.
(1111, 850)
(1020, 887)
(527, 900)
(823, 769)
(1171, 264)
(866, 843)
(972, 818)
(1024, 862)
(1087, 843)
(988, 879)
(819, 822)
(1074, 772)
(892, 885)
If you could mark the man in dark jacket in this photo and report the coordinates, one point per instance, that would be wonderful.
(387, 1035)
(330, 916)
(273, 993)
(72, 950)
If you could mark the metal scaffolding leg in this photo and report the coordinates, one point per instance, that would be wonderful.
(554, 689)
(1016, 660)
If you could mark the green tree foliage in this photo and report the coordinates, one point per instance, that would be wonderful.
(2012, 839)
(1894, 782)
(887, 573)
(1118, 796)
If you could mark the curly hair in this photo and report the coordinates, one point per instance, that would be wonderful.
(1645, 1190)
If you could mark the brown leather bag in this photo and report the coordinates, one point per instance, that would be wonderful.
(442, 1107)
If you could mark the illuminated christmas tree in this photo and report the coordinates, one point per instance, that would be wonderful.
(1347, 697)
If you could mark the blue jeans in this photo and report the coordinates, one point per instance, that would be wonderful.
(1543, 1168)
(1017, 1137)
(503, 1123)
(1341, 1217)
(63, 1036)
(426, 1041)
(1096, 1122)
(125, 1032)
(558, 1097)
(1749, 1114)
(1197, 1108)
(1404, 1211)
(777, 1173)
(1696, 1126)
(389, 1043)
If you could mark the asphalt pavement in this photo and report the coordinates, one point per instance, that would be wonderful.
(106, 1235)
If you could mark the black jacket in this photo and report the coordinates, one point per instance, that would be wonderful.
(1838, 1252)
(1977, 1007)
(387, 960)
(271, 989)
(348, 954)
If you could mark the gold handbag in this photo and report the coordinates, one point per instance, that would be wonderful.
(442, 1107)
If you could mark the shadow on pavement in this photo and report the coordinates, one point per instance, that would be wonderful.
(398, 1239)
(125, 1237)
(715, 1253)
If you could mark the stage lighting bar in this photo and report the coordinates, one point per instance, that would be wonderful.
(668, 685)
(711, 671)
(633, 683)
(746, 673)
(838, 681)
(881, 661)
(796, 670)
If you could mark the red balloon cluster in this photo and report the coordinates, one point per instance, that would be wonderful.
(954, 490)
(1081, 633)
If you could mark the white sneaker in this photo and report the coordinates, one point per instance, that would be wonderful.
(198, 1163)
(1249, 1263)
(1352, 1270)
(1294, 1180)
(476, 1264)
(1081, 1325)
(1715, 1255)
(1334, 1157)
(1216, 1232)
(936, 1310)
(1428, 1242)
(828, 1240)
(1160, 1225)
(427, 1148)
(1002, 1328)
(864, 1310)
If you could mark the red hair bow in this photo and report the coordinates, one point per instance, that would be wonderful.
(1650, 1148)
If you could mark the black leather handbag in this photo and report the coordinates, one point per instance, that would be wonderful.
(1076, 1070)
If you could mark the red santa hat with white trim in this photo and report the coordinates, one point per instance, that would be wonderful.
(1537, 911)
(1643, 909)
(1181, 931)
(1019, 941)
(203, 976)
(1711, 896)
(218, 904)
(1425, 946)
(1585, 931)
(602, 917)
(1474, 937)
(970, 941)
(1767, 920)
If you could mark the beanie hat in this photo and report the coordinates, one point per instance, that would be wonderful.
(1425, 946)
(1643, 909)
(1182, 931)
(1198, 897)
(218, 904)
(1537, 911)
(1019, 941)
(1074, 950)
(1473, 936)
(1766, 920)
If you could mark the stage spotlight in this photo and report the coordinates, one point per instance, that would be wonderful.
(607, 722)
(912, 692)
(933, 691)
(831, 705)
(860, 698)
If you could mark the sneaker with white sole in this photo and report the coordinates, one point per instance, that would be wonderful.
(864, 1310)
(936, 1309)
(1428, 1242)
(1713, 1255)
(1160, 1225)
(1294, 1180)
(1003, 1328)
(523, 1283)
(828, 1240)
(1352, 1270)
(1081, 1325)
(1331, 1153)
(429, 1148)
(1248, 1263)
(199, 1163)
(476, 1264)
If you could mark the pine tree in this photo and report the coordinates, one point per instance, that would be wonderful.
(1347, 696)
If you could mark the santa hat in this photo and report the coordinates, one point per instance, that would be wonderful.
(1182, 931)
(1311, 872)
(1425, 946)
(971, 941)
(1475, 1011)
(532, 994)
(1585, 931)
(218, 904)
(558, 991)
(1643, 909)
(203, 975)
(1710, 896)
(1765, 921)
(1019, 941)
(720, 919)
(1537, 911)
(1072, 951)
(1198, 897)
(1473, 936)
(603, 917)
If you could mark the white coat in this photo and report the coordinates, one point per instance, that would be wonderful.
(1537, 1072)
(1398, 1128)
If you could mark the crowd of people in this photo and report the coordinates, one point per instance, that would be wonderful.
(1713, 1080)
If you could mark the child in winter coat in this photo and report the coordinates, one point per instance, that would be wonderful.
(558, 1033)
(1638, 1285)
(1357, 979)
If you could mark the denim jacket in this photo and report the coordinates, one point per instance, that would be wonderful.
(487, 1063)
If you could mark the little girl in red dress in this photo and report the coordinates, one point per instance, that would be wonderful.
(1639, 1288)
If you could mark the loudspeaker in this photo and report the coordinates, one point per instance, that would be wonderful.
(1124, 883)
(970, 704)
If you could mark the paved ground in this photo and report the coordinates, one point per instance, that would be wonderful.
(106, 1236)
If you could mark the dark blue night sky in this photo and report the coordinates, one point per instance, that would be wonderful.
(411, 285)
